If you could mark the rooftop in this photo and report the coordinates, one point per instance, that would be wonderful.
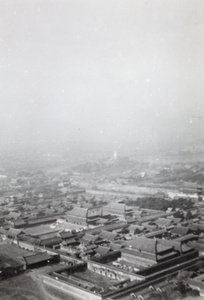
(39, 230)
(11, 255)
(36, 258)
(78, 212)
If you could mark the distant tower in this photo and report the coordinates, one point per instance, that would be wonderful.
(200, 192)
(113, 158)
(115, 155)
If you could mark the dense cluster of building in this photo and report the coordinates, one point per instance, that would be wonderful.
(97, 247)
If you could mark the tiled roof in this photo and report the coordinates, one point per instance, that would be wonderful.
(144, 244)
(148, 245)
(163, 222)
(115, 206)
(180, 230)
(19, 222)
(116, 225)
(40, 230)
(51, 241)
(3, 231)
(12, 215)
(149, 258)
(114, 246)
(177, 244)
(194, 227)
(167, 255)
(102, 250)
(134, 227)
(39, 220)
(14, 232)
(106, 235)
(156, 233)
(170, 243)
(187, 248)
(78, 212)
(102, 221)
(70, 241)
(90, 237)
(66, 235)
(162, 248)
(196, 245)
(187, 237)
(36, 258)
(30, 240)
(11, 256)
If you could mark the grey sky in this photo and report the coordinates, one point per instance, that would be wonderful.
(109, 73)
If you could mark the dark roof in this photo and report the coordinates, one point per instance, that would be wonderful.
(114, 246)
(201, 227)
(36, 258)
(51, 241)
(149, 226)
(12, 215)
(3, 231)
(67, 234)
(201, 240)
(45, 219)
(186, 248)
(155, 233)
(13, 232)
(30, 240)
(167, 255)
(19, 222)
(90, 237)
(163, 222)
(153, 217)
(117, 225)
(194, 227)
(144, 244)
(134, 227)
(177, 244)
(11, 256)
(187, 237)
(196, 245)
(70, 241)
(106, 235)
(148, 245)
(176, 220)
(140, 256)
(102, 221)
(40, 230)
(91, 246)
(171, 243)
(102, 250)
(179, 230)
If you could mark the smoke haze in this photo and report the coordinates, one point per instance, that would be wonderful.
(102, 74)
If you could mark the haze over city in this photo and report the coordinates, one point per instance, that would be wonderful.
(102, 74)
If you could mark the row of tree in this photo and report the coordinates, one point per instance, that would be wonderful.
(160, 203)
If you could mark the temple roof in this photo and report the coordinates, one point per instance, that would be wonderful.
(78, 212)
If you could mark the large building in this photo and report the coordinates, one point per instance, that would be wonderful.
(83, 216)
(78, 215)
(149, 249)
(119, 209)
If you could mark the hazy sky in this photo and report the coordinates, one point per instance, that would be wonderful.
(107, 73)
